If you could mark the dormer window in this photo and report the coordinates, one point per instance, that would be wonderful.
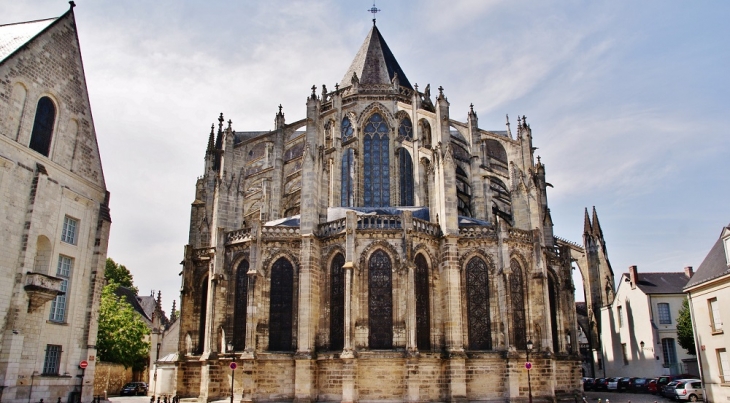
(726, 242)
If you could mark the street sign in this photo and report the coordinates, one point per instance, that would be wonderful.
(83, 364)
(233, 365)
(528, 365)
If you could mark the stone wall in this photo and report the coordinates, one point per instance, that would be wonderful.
(110, 378)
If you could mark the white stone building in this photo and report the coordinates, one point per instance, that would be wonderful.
(709, 296)
(639, 328)
(54, 215)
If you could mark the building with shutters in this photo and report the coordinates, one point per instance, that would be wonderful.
(377, 249)
(54, 215)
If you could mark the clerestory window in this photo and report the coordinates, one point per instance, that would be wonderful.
(376, 161)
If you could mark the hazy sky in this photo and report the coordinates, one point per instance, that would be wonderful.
(628, 103)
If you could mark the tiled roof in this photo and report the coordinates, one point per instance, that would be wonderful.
(714, 265)
(14, 36)
(375, 63)
(662, 283)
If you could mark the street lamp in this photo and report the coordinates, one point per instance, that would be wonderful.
(233, 367)
(529, 384)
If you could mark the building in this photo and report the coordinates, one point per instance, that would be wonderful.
(707, 291)
(640, 326)
(376, 249)
(54, 212)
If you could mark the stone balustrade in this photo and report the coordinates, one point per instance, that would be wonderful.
(426, 227)
(238, 235)
(379, 222)
(332, 228)
(478, 232)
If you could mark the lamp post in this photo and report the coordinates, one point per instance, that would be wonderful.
(529, 367)
(233, 367)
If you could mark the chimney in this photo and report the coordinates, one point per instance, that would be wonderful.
(633, 276)
(688, 271)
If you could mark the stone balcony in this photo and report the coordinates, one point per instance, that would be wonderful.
(41, 288)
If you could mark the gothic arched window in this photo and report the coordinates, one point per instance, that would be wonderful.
(552, 297)
(463, 192)
(203, 314)
(477, 299)
(380, 301)
(347, 179)
(406, 177)
(376, 169)
(405, 129)
(423, 311)
(346, 129)
(337, 303)
(45, 117)
(281, 307)
(239, 306)
(517, 293)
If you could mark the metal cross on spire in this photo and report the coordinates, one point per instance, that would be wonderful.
(374, 10)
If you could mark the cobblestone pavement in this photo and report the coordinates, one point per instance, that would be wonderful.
(614, 397)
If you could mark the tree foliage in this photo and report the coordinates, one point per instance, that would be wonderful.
(685, 332)
(118, 273)
(121, 336)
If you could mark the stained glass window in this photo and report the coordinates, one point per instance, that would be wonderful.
(406, 177)
(45, 118)
(477, 290)
(380, 301)
(203, 312)
(347, 183)
(423, 312)
(337, 303)
(376, 170)
(239, 306)
(517, 293)
(463, 192)
(405, 129)
(346, 129)
(281, 307)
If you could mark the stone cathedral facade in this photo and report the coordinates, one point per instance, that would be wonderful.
(377, 249)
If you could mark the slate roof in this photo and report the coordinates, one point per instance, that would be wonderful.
(375, 63)
(661, 283)
(714, 266)
(132, 299)
(14, 36)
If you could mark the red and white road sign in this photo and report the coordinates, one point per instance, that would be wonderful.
(83, 364)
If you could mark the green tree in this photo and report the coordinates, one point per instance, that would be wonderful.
(121, 336)
(685, 333)
(118, 273)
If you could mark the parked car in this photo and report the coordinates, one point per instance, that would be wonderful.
(668, 389)
(652, 387)
(588, 384)
(600, 384)
(665, 379)
(639, 385)
(134, 389)
(624, 384)
(612, 384)
(689, 389)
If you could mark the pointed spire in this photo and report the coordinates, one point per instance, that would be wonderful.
(596, 225)
(219, 137)
(509, 132)
(159, 299)
(210, 139)
(375, 63)
(471, 110)
(230, 124)
(587, 228)
(173, 314)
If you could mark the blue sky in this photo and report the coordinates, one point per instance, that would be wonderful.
(628, 102)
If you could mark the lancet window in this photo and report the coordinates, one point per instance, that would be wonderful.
(239, 306)
(463, 193)
(405, 129)
(552, 297)
(346, 129)
(337, 303)
(347, 179)
(478, 310)
(281, 307)
(406, 177)
(380, 301)
(376, 159)
(423, 311)
(203, 314)
(517, 293)
(45, 118)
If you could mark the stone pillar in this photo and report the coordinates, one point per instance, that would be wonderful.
(453, 325)
(308, 315)
(350, 226)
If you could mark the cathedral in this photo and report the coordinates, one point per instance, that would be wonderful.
(377, 249)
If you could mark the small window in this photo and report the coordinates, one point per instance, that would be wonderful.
(715, 318)
(346, 129)
(625, 353)
(620, 315)
(52, 362)
(405, 129)
(669, 350)
(45, 118)
(665, 318)
(724, 364)
(727, 250)
(58, 305)
(68, 234)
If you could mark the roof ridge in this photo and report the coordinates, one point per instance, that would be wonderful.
(29, 22)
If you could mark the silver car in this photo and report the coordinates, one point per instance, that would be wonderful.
(689, 389)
